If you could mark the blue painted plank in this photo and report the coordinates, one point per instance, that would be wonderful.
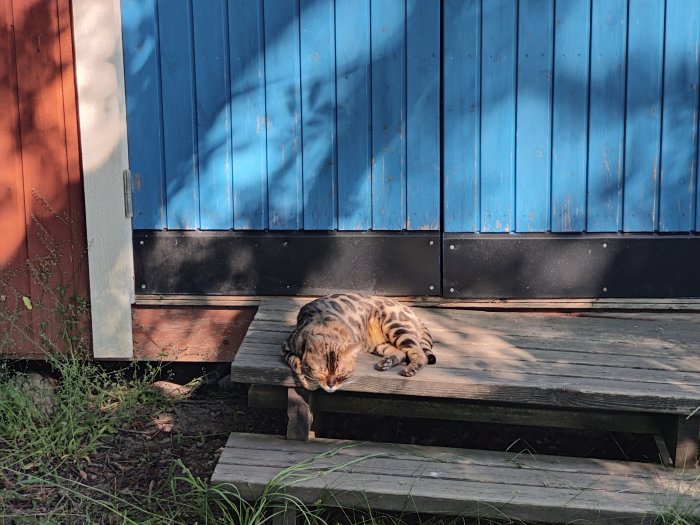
(498, 115)
(352, 41)
(423, 115)
(570, 115)
(317, 23)
(388, 115)
(143, 112)
(249, 134)
(179, 128)
(461, 114)
(643, 126)
(680, 117)
(213, 114)
(534, 119)
(607, 116)
(282, 95)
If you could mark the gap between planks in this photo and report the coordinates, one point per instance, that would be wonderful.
(689, 304)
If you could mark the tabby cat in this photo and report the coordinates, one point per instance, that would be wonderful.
(332, 330)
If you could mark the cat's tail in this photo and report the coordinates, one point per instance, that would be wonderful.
(426, 343)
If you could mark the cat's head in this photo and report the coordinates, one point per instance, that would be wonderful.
(328, 362)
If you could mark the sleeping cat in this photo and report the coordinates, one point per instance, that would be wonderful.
(332, 330)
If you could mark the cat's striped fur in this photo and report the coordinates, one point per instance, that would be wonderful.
(332, 330)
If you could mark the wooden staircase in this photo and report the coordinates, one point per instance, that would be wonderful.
(620, 371)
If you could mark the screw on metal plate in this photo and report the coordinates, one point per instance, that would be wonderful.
(140, 242)
(605, 245)
(431, 243)
(452, 290)
(452, 246)
(285, 243)
(143, 286)
(432, 287)
(605, 288)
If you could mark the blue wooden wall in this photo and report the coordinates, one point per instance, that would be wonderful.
(284, 114)
(571, 115)
(465, 115)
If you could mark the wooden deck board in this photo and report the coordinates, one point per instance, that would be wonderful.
(650, 364)
(456, 481)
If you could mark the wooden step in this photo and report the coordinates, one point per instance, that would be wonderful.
(643, 364)
(470, 483)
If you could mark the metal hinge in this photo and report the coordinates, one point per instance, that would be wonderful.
(128, 203)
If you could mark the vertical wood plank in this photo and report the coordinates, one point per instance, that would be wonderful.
(461, 114)
(13, 247)
(317, 23)
(282, 95)
(643, 123)
(13, 243)
(388, 114)
(423, 115)
(353, 63)
(143, 105)
(570, 115)
(179, 117)
(210, 20)
(680, 117)
(46, 161)
(498, 115)
(249, 163)
(607, 115)
(534, 119)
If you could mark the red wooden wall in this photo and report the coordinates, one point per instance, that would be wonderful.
(41, 199)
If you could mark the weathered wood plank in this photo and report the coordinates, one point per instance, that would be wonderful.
(185, 333)
(452, 378)
(495, 350)
(503, 460)
(648, 307)
(262, 396)
(440, 480)
(595, 363)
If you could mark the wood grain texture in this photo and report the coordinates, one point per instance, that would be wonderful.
(318, 101)
(465, 482)
(679, 146)
(498, 98)
(283, 115)
(534, 123)
(179, 120)
(41, 195)
(212, 96)
(185, 333)
(461, 115)
(388, 51)
(353, 113)
(139, 22)
(423, 115)
(604, 363)
(249, 123)
(570, 115)
(607, 116)
(643, 124)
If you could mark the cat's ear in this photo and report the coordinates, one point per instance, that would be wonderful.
(352, 350)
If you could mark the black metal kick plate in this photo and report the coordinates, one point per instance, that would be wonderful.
(558, 266)
(230, 263)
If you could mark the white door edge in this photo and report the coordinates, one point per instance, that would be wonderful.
(99, 69)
